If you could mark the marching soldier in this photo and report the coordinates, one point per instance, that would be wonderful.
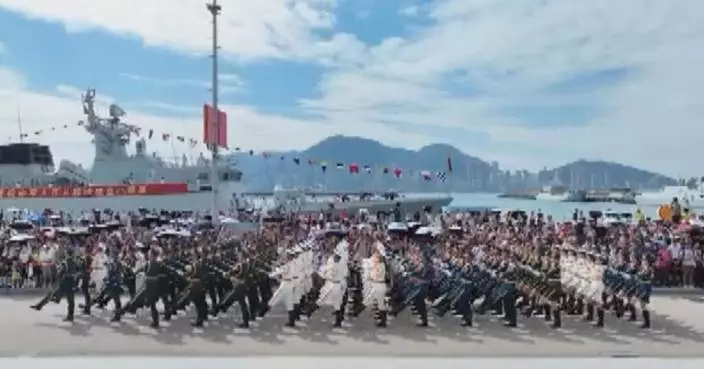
(644, 290)
(377, 288)
(150, 291)
(86, 270)
(286, 292)
(332, 292)
(66, 287)
(238, 293)
(112, 288)
(196, 290)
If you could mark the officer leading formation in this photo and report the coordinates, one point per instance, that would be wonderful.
(362, 269)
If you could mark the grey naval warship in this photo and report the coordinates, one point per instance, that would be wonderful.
(298, 200)
(116, 180)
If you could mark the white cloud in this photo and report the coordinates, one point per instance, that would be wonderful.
(410, 11)
(510, 50)
(248, 29)
(228, 82)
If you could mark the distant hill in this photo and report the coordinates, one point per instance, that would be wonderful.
(604, 174)
(470, 173)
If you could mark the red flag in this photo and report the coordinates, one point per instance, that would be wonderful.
(449, 164)
(354, 168)
(220, 138)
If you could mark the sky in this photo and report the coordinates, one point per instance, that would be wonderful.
(527, 83)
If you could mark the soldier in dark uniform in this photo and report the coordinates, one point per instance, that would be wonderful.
(422, 277)
(196, 289)
(66, 287)
(510, 294)
(237, 294)
(554, 292)
(250, 282)
(149, 295)
(645, 280)
(128, 276)
(263, 282)
(113, 286)
(86, 269)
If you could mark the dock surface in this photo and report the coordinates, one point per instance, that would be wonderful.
(678, 331)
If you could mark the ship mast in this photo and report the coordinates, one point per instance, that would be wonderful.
(214, 8)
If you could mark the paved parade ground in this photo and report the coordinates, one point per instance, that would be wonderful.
(678, 331)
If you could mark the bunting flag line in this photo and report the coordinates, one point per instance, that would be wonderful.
(221, 141)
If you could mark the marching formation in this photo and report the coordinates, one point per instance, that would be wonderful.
(349, 271)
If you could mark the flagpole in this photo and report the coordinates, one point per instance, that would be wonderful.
(214, 8)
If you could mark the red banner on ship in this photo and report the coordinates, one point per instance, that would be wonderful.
(95, 191)
(211, 136)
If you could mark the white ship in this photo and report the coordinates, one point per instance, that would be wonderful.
(553, 193)
(692, 198)
(116, 180)
(314, 201)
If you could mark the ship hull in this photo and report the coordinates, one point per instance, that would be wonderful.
(407, 205)
(551, 197)
(195, 201)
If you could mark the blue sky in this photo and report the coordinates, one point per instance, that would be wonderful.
(527, 83)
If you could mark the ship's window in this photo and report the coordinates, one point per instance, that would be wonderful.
(203, 176)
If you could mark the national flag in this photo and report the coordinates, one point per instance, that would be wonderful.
(441, 176)
(339, 165)
(368, 169)
(211, 137)
(297, 161)
(426, 175)
(353, 168)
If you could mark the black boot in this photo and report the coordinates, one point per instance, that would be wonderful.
(382, 320)
(339, 316)
(291, 319)
(599, 318)
(590, 313)
(467, 319)
(646, 319)
(548, 313)
(632, 314)
(297, 312)
(557, 318)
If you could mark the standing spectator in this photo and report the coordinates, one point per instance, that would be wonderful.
(46, 259)
(675, 249)
(688, 264)
(676, 209)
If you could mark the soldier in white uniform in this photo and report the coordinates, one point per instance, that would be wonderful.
(333, 291)
(286, 292)
(375, 295)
